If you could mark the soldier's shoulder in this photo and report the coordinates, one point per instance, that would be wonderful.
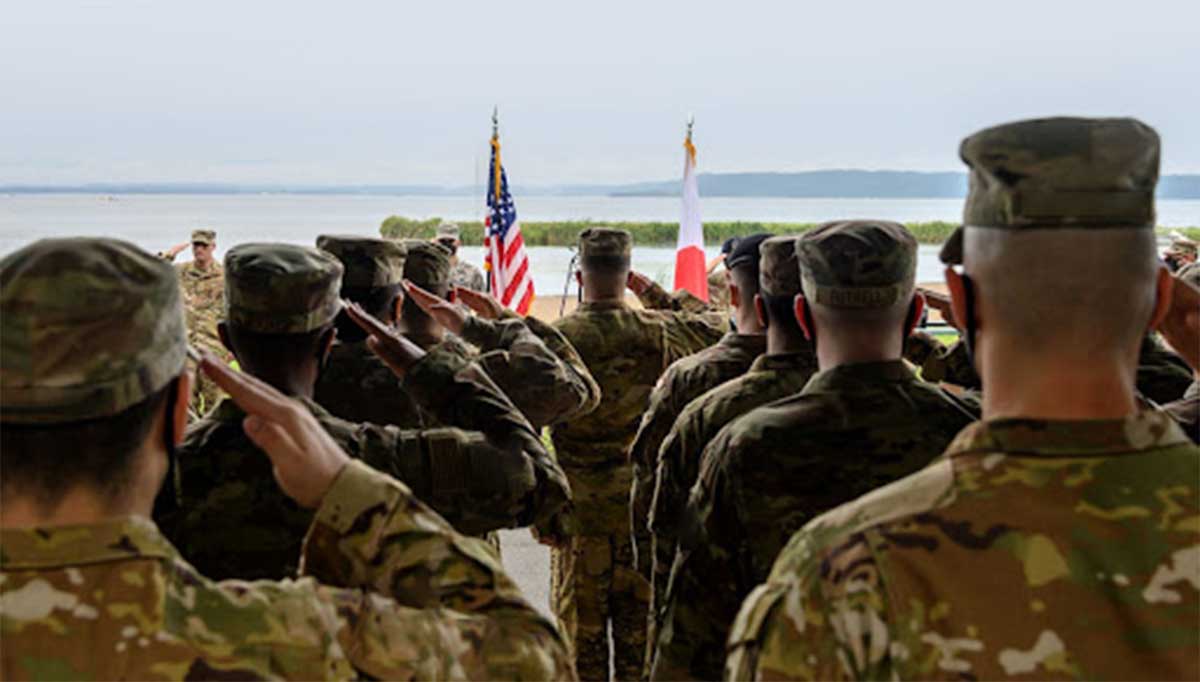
(847, 526)
(803, 415)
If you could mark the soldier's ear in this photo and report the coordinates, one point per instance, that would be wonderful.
(914, 314)
(760, 310)
(1163, 287)
(326, 342)
(397, 308)
(804, 317)
(958, 296)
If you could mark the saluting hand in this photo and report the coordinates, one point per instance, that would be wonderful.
(639, 283)
(1181, 326)
(482, 304)
(397, 352)
(444, 312)
(941, 303)
(304, 458)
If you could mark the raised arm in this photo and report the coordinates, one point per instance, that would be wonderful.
(490, 471)
(413, 598)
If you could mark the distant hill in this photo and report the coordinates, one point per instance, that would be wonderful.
(855, 184)
(831, 184)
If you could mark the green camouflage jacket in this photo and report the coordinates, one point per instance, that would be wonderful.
(852, 429)
(769, 378)
(527, 359)
(391, 591)
(1032, 549)
(655, 297)
(229, 518)
(626, 351)
(467, 276)
(683, 381)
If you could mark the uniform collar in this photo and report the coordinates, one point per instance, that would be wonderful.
(754, 343)
(119, 539)
(860, 374)
(1146, 430)
(784, 361)
(591, 306)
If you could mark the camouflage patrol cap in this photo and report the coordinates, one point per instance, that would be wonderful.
(204, 237)
(778, 267)
(448, 230)
(1054, 173)
(857, 264)
(88, 329)
(427, 264)
(1184, 247)
(281, 288)
(605, 248)
(369, 262)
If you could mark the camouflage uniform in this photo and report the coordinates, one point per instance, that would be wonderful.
(204, 305)
(1032, 548)
(1162, 376)
(462, 273)
(940, 363)
(853, 427)
(391, 591)
(228, 523)
(1044, 548)
(1186, 410)
(527, 359)
(626, 351)
(683, 381)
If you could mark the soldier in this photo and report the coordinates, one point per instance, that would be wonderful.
(95, 392)
(863, 420)
(1049, 540)
(281, 302)
(462, 274)
(530, 361)
(203, 281)
(626, 351)
(788, 364)
(687, 378)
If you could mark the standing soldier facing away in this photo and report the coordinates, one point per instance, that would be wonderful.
(1056, 538)
(626, 350)
(95, 396)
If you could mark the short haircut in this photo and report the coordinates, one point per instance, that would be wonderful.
(257, 350)
(45, 461)
(1083, 292)
(378, 301)
(746, 278)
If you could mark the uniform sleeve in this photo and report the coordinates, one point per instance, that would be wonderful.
(687, 333)
(655, 297)
(802, 626)
(706, 579)
(656, 424)
(490, 471)
(941, 363)
(541, 383)
(415, 598)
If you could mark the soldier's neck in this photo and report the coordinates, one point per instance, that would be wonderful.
(1017, 386)
(84, 504)
(295, 382)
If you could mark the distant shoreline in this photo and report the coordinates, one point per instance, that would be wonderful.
(819, 184)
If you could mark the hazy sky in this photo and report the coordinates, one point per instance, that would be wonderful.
(402, 92)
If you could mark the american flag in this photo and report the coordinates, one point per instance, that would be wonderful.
(505, 259)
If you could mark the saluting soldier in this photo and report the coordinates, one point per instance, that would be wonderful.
(626, 350)
(95, 393)
(282, 301)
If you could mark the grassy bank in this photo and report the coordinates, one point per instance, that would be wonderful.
(565, 232)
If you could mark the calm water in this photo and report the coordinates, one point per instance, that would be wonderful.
(158, 221)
